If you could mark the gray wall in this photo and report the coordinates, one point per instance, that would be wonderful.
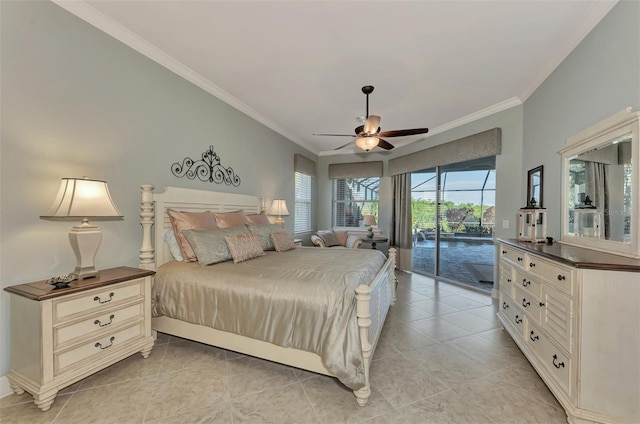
(76, 102)
(599, 78)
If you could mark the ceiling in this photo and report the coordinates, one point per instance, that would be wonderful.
(298, 66)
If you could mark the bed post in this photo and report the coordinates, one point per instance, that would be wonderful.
(147, 254)
(363, 312)
(394, 283)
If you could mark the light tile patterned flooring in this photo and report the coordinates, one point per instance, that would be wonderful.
(442, 358)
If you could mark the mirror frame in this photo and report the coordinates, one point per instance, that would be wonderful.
(617, 125)
(530, 174)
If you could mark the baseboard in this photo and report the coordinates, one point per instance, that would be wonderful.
(494, 293)
(5, 388)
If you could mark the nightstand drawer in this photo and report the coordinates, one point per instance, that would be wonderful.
(91, 302)
(98, 323)
(97, 347)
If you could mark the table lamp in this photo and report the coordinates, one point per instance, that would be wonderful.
(279, 208)
(370, 221)
(83, 198)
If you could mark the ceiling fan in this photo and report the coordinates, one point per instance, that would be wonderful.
(369, 135)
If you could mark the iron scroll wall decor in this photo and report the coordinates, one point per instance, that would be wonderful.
(206, 169)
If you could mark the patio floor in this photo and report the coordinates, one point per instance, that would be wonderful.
(468, 261)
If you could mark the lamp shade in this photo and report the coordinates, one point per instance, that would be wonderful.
(279, 208)
(367, 143)
(369, 220)
(82, 198)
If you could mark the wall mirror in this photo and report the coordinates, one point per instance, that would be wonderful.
(535, 187)
(601, 187)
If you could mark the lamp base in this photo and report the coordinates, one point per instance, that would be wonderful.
(85, 240)
(370, 232)
(279, 222)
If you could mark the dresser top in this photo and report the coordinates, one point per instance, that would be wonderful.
(578, 257)
(42, 290)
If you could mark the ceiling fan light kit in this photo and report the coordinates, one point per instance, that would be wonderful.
(368, 135)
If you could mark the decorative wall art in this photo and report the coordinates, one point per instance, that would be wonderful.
(207, 169)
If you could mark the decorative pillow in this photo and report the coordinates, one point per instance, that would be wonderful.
(264, 232)
(329, 238)
(186, 221)
(230, 219)
(282, 241)
(169, 237)
(258, 219)
(210, 246)
(341, 236)
(244, 247)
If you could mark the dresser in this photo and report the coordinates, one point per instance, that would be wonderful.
(575, 314)
(60, 336)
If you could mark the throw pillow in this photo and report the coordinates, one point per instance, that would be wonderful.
(169, 237)
(329, 238)
(210, 246)
(264, 232)
(259, 219)
(244, 247)
(181, 221)
(282, 241)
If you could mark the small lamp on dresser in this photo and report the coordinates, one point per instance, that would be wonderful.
(83, 198)
(279, 209)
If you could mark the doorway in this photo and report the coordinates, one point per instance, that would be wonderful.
(453, 218)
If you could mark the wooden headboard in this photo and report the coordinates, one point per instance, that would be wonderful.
(154, 251)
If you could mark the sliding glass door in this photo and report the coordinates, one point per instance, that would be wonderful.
(453, 215)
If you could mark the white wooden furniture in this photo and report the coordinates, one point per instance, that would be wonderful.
(372, 301)
(60, 336)
(574, 313)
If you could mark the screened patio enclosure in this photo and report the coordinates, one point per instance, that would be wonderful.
(453, 220)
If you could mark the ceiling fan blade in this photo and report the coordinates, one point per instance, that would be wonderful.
(372, 124)
(336, 135)
(384, 144)
(402, 133)
(344, 145)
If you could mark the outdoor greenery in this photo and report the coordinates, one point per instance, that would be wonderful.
(466, 218)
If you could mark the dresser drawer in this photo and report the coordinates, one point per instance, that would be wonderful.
(528, 303)
(512, 314)
(92, 350)
(556, 317)
(524, 281)
(94, 325)
(93, 301)
(554, 359)
(516, 256)
(506, 277)
(558, 276)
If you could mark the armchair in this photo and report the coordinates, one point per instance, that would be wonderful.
(336, 238)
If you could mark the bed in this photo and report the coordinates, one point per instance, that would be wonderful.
(287, 287)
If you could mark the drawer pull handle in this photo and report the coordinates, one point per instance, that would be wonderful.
(519, 259)
(504, 252)
(97, 298)
(541, 304)
(525, 302)
(532, 264)
(560, 277)
(532, 337)
(107, 346)
(508, 280)
(504, 305)
(518, 319)
(559, 364)
(525, 283)
(97, 322)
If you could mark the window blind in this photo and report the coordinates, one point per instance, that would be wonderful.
(303, 193)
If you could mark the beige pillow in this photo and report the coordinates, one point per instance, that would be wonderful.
(264, 232)
(244, 247)
(258, 219)
(329, 238)
(341, 236)
(282, 241)
(230, 219)
(181, 221)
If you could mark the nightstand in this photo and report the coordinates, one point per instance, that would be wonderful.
(60, 336)
(297, 242)
(374, 241)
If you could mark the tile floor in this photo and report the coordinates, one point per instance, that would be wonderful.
(442, 358)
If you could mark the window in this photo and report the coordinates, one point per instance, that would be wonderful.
(303, 203)
(352, 199)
